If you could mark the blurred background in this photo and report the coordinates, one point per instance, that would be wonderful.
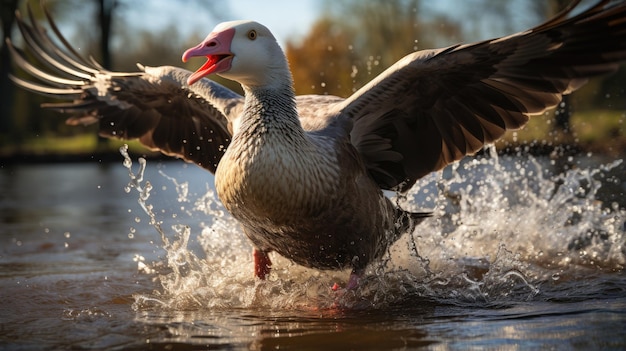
(333, 46)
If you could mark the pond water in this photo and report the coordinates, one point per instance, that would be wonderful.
(95, 256)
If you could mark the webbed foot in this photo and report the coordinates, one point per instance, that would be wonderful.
(262, 264)
(353, 281)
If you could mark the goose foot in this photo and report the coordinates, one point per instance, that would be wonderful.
(353, 281)
(262, 264)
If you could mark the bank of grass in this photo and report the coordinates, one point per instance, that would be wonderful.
(597, 125)
(592, 130)
(76, 145)
(602, 131)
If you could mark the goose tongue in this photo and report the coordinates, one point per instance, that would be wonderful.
(216, 48)
(210, 66)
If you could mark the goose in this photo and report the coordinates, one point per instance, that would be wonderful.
(304, 175)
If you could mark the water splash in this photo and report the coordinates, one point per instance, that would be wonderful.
(504, 230)
(181, 270)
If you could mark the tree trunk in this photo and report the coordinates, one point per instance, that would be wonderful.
(563, 112)
(106, 8)
(105, 18)
(563, 115)
(7, 89)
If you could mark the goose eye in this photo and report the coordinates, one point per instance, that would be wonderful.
(252, 34)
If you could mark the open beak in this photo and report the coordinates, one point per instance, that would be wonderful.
(216, 48)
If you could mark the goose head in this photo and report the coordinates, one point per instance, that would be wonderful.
(243, 51)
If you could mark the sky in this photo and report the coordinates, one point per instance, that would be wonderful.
(287, 19)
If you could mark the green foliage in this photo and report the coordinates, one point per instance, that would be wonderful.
(593, 126)
(79, 144)
(602, 130)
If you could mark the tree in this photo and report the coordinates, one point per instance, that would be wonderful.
(7, 10)
(106, 9)
(325, 56)
(12, 130)
(21, 116)
(563, 113)
(355, 40)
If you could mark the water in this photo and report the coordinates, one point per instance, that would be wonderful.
(93, 257)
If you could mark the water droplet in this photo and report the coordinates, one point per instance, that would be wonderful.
(67, 234)
(556, 276)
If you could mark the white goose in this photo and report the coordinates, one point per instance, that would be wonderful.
(304, 175)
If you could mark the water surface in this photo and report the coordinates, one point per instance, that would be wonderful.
(515, 257)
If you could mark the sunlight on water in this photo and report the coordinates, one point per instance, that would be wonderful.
(502, 232)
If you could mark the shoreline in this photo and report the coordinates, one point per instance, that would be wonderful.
(615, 150)
(54, 158)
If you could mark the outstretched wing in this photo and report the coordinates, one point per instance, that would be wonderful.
(155, 106)
(434, 107)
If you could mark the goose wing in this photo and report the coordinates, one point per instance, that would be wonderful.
(434, 107)
(155, 106)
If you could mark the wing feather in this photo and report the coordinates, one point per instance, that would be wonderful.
(155, 106)
(441, 105)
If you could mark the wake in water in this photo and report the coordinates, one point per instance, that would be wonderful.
(503, 231)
